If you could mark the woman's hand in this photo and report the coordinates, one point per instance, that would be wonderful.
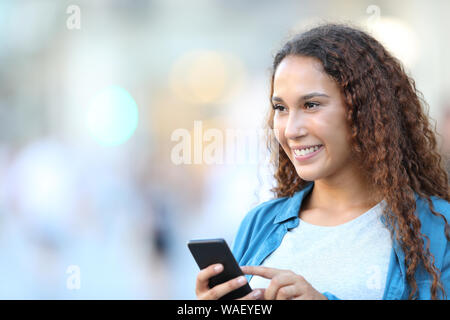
(284, 284)
(203, 291)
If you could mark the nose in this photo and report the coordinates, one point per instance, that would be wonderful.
(296, 126)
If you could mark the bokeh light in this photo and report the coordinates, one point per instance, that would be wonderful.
(42, 182)
(112, 116)
(205, 76)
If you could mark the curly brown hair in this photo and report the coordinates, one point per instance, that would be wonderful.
(391, 135)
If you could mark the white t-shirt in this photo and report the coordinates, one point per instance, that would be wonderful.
(349, 260)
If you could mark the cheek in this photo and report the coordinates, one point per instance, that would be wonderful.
(333, 131)
(278, 130)
(339, 142)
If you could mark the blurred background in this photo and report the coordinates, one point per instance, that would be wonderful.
(125, 129)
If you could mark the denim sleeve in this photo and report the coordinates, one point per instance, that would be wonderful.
(242, 238)
(445, 271)
(444, 208)
(424, 286)
(330, 296)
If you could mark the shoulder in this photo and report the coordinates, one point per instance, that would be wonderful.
(442, 206)
(427, 217)
(433, 227)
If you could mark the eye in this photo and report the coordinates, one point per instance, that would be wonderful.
(278, 107)
(311, 105)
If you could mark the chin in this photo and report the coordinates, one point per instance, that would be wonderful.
(307, 179)
(306, 176)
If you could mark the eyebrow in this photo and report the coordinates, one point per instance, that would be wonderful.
(305, 97)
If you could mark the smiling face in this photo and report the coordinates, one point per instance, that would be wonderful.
(310, 112)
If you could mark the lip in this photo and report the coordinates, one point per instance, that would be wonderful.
(308, 156)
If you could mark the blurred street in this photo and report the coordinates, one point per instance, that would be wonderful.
(128, 128)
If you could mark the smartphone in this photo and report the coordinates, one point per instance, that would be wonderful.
(211, 251)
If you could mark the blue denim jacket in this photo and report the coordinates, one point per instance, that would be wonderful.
(264, 227)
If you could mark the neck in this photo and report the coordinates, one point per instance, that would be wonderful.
(343, 193)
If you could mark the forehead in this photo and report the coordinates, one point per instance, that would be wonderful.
(300, 74)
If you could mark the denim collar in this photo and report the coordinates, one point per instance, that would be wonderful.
(292, 206)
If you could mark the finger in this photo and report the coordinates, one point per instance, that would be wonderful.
(222, 289)
(277, 282)
(287, 292)
(204, 275)
(257, 294)
(302, 297)
(307, 292)
(264, 272)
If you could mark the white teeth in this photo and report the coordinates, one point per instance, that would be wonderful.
(304, 152)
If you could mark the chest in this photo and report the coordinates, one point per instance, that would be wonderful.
(351, 260)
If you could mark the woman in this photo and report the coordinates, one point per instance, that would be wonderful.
(361, 203)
